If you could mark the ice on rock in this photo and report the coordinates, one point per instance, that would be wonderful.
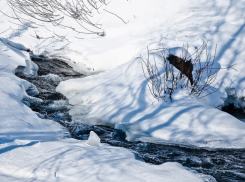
(93, 139)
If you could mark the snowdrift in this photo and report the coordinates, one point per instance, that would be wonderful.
(17, 120)
(71, 160)
(34, 149)
(121, 99)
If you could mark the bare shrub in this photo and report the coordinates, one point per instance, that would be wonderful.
(54, 11)
(180, 72)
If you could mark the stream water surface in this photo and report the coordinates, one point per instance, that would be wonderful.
(225, 165)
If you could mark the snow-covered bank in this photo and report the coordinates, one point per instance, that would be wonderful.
(34, 149)
(17, 120)
(91, 54)
(149, 23)
(121, 99)
(170, 23)
(72, 160)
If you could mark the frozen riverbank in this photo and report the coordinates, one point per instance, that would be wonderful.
(56, 107)
(32, 148)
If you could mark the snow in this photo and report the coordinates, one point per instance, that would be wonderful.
(18, 58)
(17, 120)
(94, 54)
(93, 139)
(118, 95)
(36, 149)
(72, 160)
(121, 99)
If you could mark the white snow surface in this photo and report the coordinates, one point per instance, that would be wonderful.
(34, 149)
(120, 98)
(149, 23)
(94, 139)
(17, 120)
(152, 24)
(72, 160)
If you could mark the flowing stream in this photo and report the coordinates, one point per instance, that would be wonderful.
(224, 165)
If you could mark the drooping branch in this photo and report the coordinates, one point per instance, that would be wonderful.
(54, 12)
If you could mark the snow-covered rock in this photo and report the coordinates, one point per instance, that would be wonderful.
(94, 139)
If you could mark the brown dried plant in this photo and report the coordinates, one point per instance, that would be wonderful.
(182, 72)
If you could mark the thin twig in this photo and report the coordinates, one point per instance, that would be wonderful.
(115, 15)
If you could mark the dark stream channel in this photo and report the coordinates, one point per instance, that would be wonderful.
(224, 165)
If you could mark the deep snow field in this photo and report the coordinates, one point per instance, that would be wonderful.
(115, 91)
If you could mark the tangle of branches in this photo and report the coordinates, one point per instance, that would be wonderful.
(54, 11)
(181, 72)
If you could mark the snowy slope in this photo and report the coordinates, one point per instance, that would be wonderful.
(34, 149)
(170, 23)
(17, 120)
(71, 160)
(154, 23)
(148, 24)
(121, 98)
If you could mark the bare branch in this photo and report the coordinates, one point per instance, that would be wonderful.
(191, 71)
(54, 11)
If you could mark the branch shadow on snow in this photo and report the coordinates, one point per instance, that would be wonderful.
(12, 147)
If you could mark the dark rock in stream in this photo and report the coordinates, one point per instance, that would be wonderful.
(233, 104)
(234, 111)
(54, 66)
(227, 165)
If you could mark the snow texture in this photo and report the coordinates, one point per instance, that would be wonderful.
(72, 160)
(34, 149)
(93, 139)
(119, 97)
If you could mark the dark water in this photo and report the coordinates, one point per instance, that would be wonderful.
(224, 165)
